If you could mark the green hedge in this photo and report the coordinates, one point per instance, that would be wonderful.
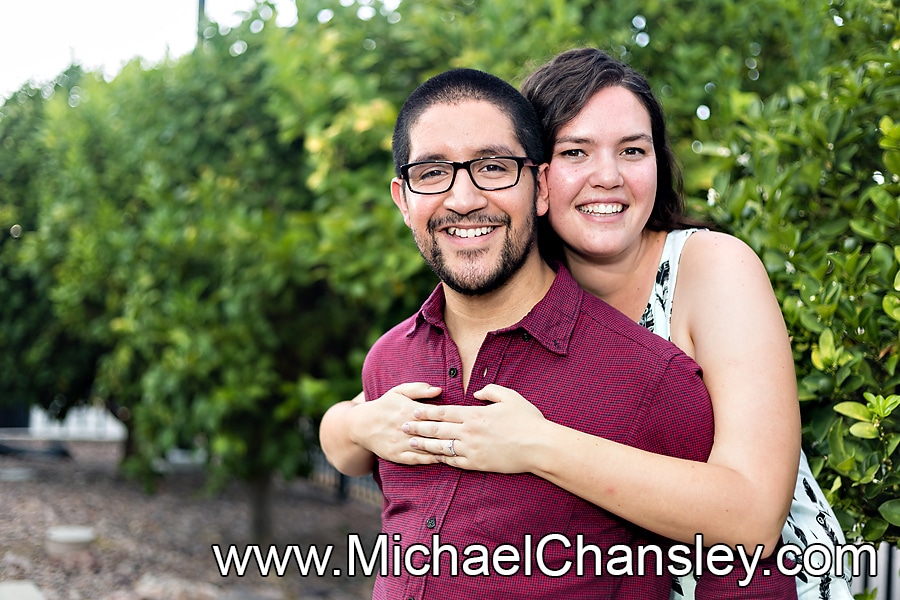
(810, 176)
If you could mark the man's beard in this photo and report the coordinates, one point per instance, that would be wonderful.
(472, 278)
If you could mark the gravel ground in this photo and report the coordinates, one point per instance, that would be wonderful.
(155, 547)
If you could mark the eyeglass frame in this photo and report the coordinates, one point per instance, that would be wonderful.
(521, 163)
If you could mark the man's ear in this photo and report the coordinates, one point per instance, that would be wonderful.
(542, 193)
(398, 193)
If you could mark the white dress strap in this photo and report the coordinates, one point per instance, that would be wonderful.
(657, 316)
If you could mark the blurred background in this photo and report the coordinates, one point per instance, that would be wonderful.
(199, 242)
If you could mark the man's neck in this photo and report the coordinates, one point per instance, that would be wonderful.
(470, 318)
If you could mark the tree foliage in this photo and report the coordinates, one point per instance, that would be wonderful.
(809, 176)
(41, 361)
(208, 244)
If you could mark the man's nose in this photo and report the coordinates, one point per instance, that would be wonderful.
(464, 197)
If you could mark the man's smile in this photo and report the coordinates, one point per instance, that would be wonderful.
(469, 232)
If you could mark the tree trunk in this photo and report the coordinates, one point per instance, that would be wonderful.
(123, 414)
(261, 508)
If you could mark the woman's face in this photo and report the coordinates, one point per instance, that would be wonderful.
(602, 176)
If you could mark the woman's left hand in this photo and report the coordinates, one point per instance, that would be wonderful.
(499, 437)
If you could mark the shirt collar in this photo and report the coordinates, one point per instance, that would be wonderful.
(550, 322)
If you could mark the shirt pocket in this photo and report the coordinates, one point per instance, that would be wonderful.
(509, 507)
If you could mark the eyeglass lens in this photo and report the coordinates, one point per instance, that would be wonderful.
(486, 174)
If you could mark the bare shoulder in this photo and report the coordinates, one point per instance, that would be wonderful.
(723, 292)
(711, 256)
(718, 246)
(718, 270)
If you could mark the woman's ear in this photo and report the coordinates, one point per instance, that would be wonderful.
(542, 193)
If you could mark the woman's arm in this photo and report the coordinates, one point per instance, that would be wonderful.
(353, 432)
(733, 327)
(345, 454)
(729, 320)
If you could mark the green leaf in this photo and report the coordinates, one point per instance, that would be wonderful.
(843, 373)
(892, 161)
(891, 306)
(869, 477)
(886, 406)
(845, 466)
(893, 440)
(874, 529)
(818, 383)
(891, 364)
(824, 356)
(866, 431)
(854, 410)
(890, 510)
(883, 257)
(836, 444)
(870, 230)
(811, 321)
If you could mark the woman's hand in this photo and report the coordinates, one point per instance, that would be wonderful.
(353, 432)
(377, 425)
(500, 437)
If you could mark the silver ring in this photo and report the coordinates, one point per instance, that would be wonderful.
(450, 447)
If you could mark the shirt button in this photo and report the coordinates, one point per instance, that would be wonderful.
(431, 523)
(453, 372)
(526, 336)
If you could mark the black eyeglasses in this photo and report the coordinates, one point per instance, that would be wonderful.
(490, 174)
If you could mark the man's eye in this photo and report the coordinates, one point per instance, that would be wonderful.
(496, 167)
(432, 173)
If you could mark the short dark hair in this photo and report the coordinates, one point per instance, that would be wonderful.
(562, 87)
(458, 85)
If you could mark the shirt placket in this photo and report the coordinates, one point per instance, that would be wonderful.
(490, 358)
(438, 502)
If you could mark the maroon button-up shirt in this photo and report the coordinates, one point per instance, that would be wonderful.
(451, 533)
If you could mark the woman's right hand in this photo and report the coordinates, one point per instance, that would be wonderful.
(377, 425)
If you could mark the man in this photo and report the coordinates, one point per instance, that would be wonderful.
(467, 152)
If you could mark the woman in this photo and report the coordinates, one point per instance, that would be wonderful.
(616, 205)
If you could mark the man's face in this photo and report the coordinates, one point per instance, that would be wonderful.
(474, 240)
